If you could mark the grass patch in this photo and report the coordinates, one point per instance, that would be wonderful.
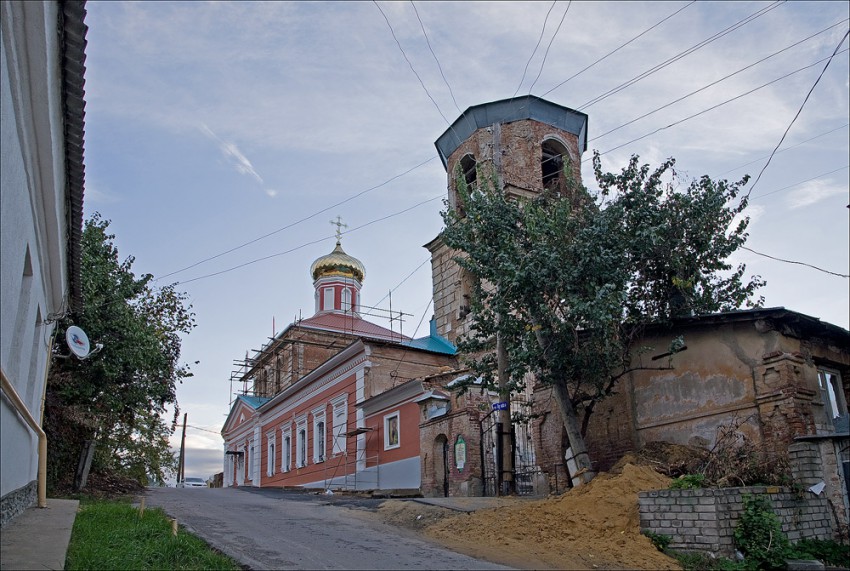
(111, 535)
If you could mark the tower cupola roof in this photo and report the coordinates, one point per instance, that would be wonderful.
(338, 264)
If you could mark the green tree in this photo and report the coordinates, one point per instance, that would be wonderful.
(567, 280)
(118, 396)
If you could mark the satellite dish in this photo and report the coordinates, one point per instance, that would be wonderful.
(78, 342)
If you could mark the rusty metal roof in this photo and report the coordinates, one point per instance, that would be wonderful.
(507, 111)
(352, 325)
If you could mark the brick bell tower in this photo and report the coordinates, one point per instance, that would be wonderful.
(524, 143)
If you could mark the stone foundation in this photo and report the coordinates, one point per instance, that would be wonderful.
(14, 503)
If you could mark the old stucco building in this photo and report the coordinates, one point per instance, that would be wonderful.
(776, 371)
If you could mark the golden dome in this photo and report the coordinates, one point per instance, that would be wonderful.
(338, 264)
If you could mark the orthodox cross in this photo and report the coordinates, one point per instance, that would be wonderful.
(339, 226)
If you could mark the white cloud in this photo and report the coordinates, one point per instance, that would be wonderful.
(237, 158)
(813, 192)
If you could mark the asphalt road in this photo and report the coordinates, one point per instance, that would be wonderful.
(292, 530)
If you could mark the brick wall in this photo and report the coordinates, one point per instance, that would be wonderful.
(705, 519)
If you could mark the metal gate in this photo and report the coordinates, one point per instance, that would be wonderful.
(526, 472)
(491, 454)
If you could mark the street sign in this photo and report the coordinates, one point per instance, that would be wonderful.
(500, 406)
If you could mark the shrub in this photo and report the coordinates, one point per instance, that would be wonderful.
(759, 536)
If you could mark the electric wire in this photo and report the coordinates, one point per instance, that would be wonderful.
(680, 55)
(799, 183)
(436, 59)
(615, 50)
(845, 125)
(540, 39)
(795, 262)
(299, 221)
(409, 63)
(551, 41)
(722, 103)
(278, 254)
(713, 83)
(399, 284)
(800, 110)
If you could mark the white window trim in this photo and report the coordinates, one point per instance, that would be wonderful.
(301, 453)
(387, 418)
(249, 453)
(286, 451)
(346, 299)
(320, 437)
(832, 395)
(270, 453)
(328, 300)
(339, 403)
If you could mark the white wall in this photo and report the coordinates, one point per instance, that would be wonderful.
(32, 219)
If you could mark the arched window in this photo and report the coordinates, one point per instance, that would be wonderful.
(552, 160)
(468, 170)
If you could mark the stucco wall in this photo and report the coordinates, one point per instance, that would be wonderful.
(33, 268)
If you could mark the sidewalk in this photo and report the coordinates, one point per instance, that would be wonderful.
(39, 537)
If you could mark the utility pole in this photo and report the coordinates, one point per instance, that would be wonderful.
(181, 462)
(504, 424)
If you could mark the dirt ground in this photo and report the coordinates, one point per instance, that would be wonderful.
(596, 526)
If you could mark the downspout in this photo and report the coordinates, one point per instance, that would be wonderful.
(15, 399)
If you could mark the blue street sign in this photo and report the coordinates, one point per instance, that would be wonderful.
(500, 406)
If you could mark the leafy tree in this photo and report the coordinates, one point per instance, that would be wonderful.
(567, 280)
(117, 397)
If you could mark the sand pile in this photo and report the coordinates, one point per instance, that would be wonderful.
(594, 526)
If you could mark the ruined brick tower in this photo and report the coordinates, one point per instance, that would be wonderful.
(524, 143)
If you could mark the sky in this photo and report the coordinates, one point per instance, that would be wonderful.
(222, 139)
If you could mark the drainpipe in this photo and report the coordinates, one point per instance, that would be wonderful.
(19, 405)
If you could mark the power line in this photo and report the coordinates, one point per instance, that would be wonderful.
(524, 71)
(713, 83)
(786, 149)
(800, 110)
(292, 224)
(399, 284)
(403, 53)
(440, 67)
(578, 73)
(270, 256)
(801, 182)
(681, 55)
(796, 262)
(689, 117)
(551, 41)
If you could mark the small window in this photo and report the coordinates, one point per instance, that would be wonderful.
(552, 165)
(319, 436)
(328, 294)
(250, 474)
(346, 299)
(832, 394)
(286, 453)
(270, 460)
(468, 170)
(392, 435)
(301, 453)
(340, 420)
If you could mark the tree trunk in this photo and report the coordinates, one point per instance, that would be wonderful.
(86, 455)
(585, 471)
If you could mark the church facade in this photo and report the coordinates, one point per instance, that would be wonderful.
(333, 398)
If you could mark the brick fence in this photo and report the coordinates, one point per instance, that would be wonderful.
(704, 519)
